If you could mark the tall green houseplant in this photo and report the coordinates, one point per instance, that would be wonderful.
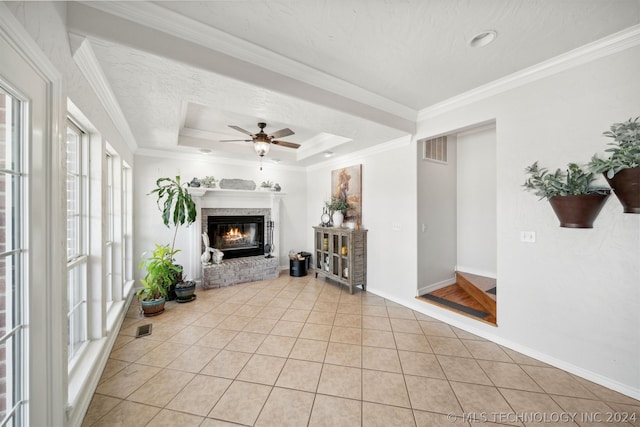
(175, 203)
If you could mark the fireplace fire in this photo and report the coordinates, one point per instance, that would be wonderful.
(237, 236)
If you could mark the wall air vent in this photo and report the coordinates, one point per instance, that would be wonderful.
(435, 149)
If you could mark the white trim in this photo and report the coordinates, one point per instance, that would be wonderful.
(453, 319)
(435, 286)
(88, 64)
(609, 45)
(471, 270)
(165, 20)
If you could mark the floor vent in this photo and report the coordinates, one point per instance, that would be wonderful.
(435, 149)
(143, 330)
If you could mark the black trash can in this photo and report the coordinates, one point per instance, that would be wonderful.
(297, 267)
(307, 258)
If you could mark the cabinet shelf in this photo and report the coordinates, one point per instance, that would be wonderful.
(341, 255)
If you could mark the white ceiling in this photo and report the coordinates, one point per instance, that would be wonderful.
(342, 74)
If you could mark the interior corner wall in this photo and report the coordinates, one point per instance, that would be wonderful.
(476, 201)
(571, 298)
(436, 228)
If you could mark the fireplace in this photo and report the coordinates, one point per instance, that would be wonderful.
(237, 235)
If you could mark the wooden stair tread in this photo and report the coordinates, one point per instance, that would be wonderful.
(456, 294)
(477, 286)
(481, 282)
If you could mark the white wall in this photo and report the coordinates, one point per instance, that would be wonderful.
(148, 226)
(476, 201)
(437, 225)
(572, 297)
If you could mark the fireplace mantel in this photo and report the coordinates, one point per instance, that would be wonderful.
(205, 198)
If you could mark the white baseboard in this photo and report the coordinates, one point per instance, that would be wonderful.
(435, 286)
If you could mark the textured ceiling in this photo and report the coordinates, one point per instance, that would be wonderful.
(343, 74)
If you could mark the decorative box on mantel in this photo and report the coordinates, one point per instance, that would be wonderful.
(222, 199)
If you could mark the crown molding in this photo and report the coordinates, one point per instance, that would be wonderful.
(609, 45)
(157, 17)
(88, 64)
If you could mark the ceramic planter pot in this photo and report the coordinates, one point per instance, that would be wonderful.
(626, 186)
(578, 211)
(153, 307)
(185, 291)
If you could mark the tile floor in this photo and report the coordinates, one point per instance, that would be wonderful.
(303, 352)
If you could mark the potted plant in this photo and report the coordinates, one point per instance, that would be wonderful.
(339, 207)
(185, 291)
(266, 186)
(160, 271)
(178, 208)
(573, 198)
(622, 168)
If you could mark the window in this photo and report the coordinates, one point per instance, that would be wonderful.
(77, 238)
(127, 223)
(13, 283)
(109, 216)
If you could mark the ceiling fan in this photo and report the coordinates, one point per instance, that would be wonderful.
(261, 141)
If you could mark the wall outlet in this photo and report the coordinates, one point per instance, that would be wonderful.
(528, 236)
(395, 226)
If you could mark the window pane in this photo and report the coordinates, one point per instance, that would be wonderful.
(77, 308)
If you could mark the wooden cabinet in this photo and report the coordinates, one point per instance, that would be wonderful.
(341, 254)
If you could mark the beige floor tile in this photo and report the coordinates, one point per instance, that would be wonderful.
(325, 305)
(381, 359)
(377, 415)
(247, 311)
(376, 338)
(161, 388)
(210, 422)
(344, 308)
(437, 329)
(303, 303)
(331, 411)
(316, 331)
(341, 381)
(227, 307)
(286, 407)
(420, 364)
(321, 317)
(384, 387)
(121, 340)
(410, 326)
(530, 404)
(226, 364)
(486, 350)
(99, 406)
(262, 369)
(372, 299)
(374, 322)
(260, 325)
(448, 346)
(348, 320)
(432, 419)
(476, 399)
(627, 412)
(300, 375)
(375, 310)
(241, 403)
(555, 381)
(246, 341)
(200, 395)
(128, 414)
(346, 335)
(134, 350)
(311, 350)
(163, 354)
(401, 313)
(163, 329)
(127, 381)
(590, 413)
(212, 319)
(234, 322)
(424, 317)
(190, 335)
(344, 354)
(287, 328)
(606, 394)
(508, 375)
(296, 315)
(217, 338)
(112, 367)
(168, 418)
(463, 369)
(412, 342)
(274, 345)
(272, 312)
(194, 359)
(434, 395)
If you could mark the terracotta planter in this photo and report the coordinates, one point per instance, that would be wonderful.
(626, 186)
(578, 211)
(152, 308)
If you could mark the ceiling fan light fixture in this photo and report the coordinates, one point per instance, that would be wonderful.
(483, 38)
(261, 147)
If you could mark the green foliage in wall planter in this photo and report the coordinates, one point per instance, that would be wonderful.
(573, 182)
(625, 151)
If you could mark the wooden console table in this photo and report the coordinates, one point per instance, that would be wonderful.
(341, 255)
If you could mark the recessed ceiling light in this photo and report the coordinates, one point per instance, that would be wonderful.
(328, 153)
(483, 38)
(275, 160)
(205, 151)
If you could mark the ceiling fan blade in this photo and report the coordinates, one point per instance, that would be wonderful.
(235, 140)
(239, 129)
(282, 133)
(286, 144)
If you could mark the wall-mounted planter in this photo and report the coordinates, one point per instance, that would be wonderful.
(578, 211)
(626, 186)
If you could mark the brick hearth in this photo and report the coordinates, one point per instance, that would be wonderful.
(239, 270)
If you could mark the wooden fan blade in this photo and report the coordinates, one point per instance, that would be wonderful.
(236, 140)
(286, 144)
(239, 129)
(281, 133)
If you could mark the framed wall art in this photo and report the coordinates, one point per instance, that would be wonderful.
(346, 183)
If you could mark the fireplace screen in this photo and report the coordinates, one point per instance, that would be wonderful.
(237, 236)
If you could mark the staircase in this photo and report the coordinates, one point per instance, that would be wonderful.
(472, 295)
